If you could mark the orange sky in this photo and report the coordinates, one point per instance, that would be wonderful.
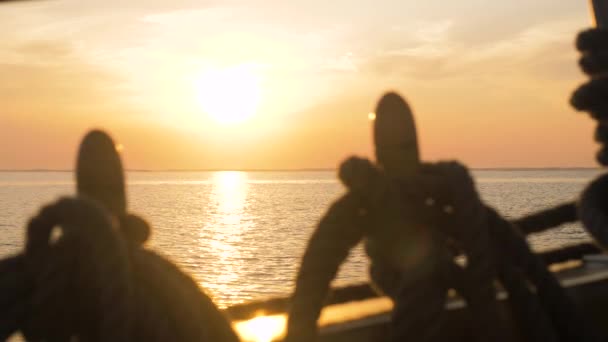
(489, 81)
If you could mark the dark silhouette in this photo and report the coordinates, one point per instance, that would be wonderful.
(414, 219)
(592, 98)
(96, 282)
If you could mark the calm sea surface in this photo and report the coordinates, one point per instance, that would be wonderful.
(241, 234)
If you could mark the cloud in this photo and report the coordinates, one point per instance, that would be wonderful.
(43, 77)
(533, 53)
(70, 58)
(44, 49)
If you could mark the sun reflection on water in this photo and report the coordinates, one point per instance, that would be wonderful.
(222, 233)
(230, 194)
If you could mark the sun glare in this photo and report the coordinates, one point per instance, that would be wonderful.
(229, 95)
(262, 328)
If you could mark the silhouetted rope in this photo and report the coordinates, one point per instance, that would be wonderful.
(564, 315)
(93, 285)
(338, 295)
(592, 96)
(15, 290)
(593, 210)
(547, 218)
(494, 249)
(439, 272)
(85, 275)
(95, 281)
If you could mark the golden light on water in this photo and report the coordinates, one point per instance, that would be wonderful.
(230, 194)
(262, 328)
(229, 95)
(222, 233)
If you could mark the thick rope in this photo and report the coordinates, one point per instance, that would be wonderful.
(94, 285)
(15, 290)
(592, 96)
(460, 211)
(473, 225)
(459, 214)
(83, 278)
(565, 316)
(475, 281)
(593, 210)
(96, 282)
(173, 300)
(527, 311)
(547, 218)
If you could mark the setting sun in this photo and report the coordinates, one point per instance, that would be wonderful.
(229, 95)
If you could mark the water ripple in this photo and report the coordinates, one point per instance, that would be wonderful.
(241, 234)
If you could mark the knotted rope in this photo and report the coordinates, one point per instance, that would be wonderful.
(82, 282)
(592, 97)
(92, 284)
(591, 209)
(96, 281)
(447, 200)
(545, 315)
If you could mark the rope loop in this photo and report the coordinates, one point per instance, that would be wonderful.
(82, 278)
(444, 195)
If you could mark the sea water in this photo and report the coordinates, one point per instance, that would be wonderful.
(242, 234)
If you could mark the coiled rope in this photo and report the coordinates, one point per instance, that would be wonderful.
(591, 208)
(494, 250)
(92, 279)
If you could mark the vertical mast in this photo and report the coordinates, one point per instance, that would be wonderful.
(599, 10)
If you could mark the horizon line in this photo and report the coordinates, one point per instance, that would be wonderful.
(506, 168)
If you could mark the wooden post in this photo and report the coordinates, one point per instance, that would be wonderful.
(599, 10)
